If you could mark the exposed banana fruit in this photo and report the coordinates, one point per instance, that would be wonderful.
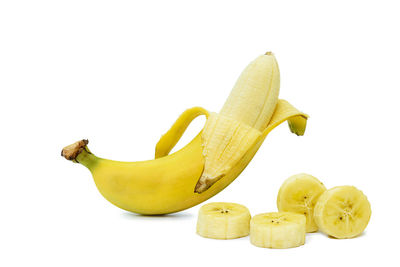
(255, 94)
(299, 193)
(246, 112)
(342, 212)
(221, 220)
(225, 141)
(278, 230)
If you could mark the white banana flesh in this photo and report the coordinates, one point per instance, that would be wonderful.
(299, 193)
(246, 113)
(342, 212)
(225, 141)
(222, 220)
(278, 230)
(255, 94)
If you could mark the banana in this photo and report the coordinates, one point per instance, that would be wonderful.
(342, 212)
(165, 184)
(246, 112)
(278, 230)
(299, 193)
(210, 162)
(221, 220)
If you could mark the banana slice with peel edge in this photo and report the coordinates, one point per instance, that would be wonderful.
(342, 212)
(222, 220)
(299, 193)
(278, 230)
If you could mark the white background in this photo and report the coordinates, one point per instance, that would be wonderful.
(120, 72)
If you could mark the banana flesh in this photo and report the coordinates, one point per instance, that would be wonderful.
(299, 193)
(255, 94)
(342, 212)
(278, 230)
(246, 113)
(225, 141)
(222, 220)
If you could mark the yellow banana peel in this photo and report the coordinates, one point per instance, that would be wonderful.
(166, 184)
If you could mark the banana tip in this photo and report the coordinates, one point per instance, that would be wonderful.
(72, 151)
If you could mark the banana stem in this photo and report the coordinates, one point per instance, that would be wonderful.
(78, 152)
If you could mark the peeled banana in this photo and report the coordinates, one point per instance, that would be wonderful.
(210, 162)
(246, 112)
(299, 193)
(222, 220)
(278, 230)
(342, 212)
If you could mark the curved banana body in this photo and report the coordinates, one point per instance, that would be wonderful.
(166, 184)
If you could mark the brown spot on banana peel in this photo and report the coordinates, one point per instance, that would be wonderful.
(205, 182)
(72, 151)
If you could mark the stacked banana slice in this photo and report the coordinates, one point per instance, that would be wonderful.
(304, 205)
(299, 193)
(221, 220)
(342, 212)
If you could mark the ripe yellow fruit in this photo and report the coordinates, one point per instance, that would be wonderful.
(299, 193)
(278, 230)
(342, 212)
(222, 220)
(210, 162)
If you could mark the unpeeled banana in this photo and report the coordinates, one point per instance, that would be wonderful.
(210, 162)
(222, 220)
(299, 193)
(342, 212)
(278, 230)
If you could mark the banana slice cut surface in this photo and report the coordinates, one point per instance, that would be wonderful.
(278, 230)
(342, 212)
(299, 193)
(222, 220)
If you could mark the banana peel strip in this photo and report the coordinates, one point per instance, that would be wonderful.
(168, 141)
(284, 111)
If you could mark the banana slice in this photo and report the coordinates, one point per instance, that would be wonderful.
(342, 212)
(299, 193)
(278, 230)
(221, 220)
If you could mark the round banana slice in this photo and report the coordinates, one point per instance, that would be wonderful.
(342, 212)
(221, 220)
(278, 230)
(299, 193)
